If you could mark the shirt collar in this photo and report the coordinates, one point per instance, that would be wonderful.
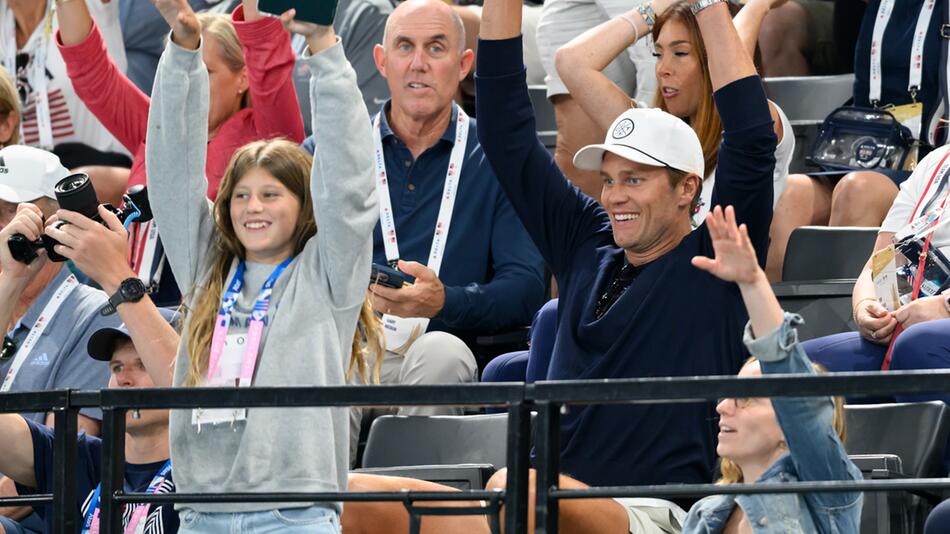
(33, 313)
(385, 130)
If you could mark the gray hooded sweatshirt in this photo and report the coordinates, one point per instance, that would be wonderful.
(315, 303)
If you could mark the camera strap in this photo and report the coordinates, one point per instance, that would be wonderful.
(400, 332)
(36, 70)
(915, 75)
(43, 321)
(942, 171)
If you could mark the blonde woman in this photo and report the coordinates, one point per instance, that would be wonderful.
(9, 111)
(275, 280)
(777, 440)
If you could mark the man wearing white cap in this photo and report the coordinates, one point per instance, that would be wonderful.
(47, 315)
(632, 305)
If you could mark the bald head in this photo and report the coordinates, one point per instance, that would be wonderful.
(430, 12)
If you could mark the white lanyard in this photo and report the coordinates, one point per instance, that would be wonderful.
(36, 71)
(884, 11)
(45, 318)
(449, 192)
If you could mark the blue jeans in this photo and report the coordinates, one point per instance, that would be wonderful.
(313, 520)
(528, 365)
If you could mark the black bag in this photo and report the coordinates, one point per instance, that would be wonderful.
(853, 139)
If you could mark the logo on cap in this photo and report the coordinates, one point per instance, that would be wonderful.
(623, 129)
(3, 166)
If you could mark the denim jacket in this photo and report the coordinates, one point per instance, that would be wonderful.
(815, 454)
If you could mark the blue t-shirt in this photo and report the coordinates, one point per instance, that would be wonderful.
(895, 61)
(160, 518)
(673, 320)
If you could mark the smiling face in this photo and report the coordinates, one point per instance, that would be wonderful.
(679, 73)
(126, 370)
(264, 215)
(423, 58)
(748, 429)
(646, 212)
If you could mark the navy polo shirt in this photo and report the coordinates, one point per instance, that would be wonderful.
(492, 272)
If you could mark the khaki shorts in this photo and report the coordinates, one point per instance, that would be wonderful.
(653, 516)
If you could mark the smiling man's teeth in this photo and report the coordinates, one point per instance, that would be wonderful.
(627, 216)
(416, 85)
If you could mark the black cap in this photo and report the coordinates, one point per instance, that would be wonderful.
(102, 343)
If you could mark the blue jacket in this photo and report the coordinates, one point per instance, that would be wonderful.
(815, 454)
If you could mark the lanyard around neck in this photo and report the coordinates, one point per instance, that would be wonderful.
(42, 322)
(255, 329)
(91, 520)
(915, 76)
(387, 219)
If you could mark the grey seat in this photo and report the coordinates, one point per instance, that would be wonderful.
(825, 306)
(827, 253)
(895, 441)
(546, 125)
(809, 98)
(458, 451)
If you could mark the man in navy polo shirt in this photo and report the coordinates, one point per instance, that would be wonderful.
(28, 454)
(444, 219)
(631, 303)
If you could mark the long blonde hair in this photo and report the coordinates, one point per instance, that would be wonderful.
(732, 474)
(707, 124)
(9, 103)
(290, 165)
(219, 27)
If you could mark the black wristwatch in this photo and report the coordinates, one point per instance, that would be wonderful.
(130, 290)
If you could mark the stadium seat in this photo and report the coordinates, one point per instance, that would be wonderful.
(825, 306)
(903, 440)
(809, 98)
(544, 116)
(827, 253)
(806, 101)
(452, 450)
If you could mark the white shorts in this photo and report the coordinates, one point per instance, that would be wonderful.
(563, 20)
(653, 516)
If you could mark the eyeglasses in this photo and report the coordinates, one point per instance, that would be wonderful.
(9, 348)
(738, 403)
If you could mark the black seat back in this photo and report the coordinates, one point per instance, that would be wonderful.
(827, 253)
(915, 432)
(437, 440)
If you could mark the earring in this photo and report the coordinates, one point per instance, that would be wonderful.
(136, 414)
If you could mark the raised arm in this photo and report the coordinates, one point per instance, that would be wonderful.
(581, 62)
(773, 340)
(176, 147)
(344, 198)
(558, 217)
(270, 71)
(118, 104)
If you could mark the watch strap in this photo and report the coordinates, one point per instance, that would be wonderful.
(119, 297)
(702, 4)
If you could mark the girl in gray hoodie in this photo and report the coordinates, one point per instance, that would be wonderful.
(275, 278)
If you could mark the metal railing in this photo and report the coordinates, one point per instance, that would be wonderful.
(546, 398)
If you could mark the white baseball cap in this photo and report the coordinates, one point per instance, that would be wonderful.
(28, 173)
(648, 136)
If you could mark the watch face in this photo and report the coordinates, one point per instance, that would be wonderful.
(132, 288)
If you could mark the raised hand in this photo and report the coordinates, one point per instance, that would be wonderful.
(186, 30)
(318, 37)
(29, 222)
(735, 259)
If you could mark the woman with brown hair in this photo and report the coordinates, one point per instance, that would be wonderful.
(684, 88)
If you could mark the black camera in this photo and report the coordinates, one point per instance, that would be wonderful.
(75, 193)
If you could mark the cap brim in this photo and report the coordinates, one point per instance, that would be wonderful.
(14, 196)
(591, 157)
(101, 343)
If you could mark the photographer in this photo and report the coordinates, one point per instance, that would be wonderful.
(46, 313)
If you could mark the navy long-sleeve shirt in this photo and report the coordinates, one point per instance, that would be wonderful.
(492, 272)
(673, 320)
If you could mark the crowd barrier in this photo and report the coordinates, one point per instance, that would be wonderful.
(545, 398)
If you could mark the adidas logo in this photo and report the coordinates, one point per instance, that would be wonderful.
(41, 361)
(3, 166)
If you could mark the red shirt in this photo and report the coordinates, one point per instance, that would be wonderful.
(123, 108)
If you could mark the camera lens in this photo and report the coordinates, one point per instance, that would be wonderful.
(75, 193)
